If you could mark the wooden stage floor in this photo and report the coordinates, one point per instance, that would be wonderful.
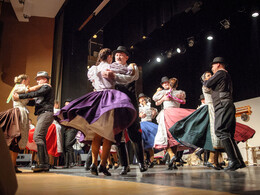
(186, 180)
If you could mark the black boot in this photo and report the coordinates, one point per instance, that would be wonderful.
(206, 158)
(139, 152)
(88, 160)
(103, 170)
(172, 163)
(124, 160)
(199, 153)
(179, 158)
(66, 165)
(42, 166)
(233, 154)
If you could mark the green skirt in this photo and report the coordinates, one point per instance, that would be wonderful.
(194, 130)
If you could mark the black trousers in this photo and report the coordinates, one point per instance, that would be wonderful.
(68, 137)
(225, 120)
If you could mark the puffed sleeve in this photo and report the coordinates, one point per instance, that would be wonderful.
(158, 95)
(20, 89)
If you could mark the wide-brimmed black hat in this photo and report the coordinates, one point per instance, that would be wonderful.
(141, 95)
(121, 49)
(164, 79)
(220, 60)
(42, 74)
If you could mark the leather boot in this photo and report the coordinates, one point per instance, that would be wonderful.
(124, 160)
(233, 154)
(179, 158)
(206, 158)
(88, 160)
(199, 153)
(66, 165)
(139, 152)
(42, 166)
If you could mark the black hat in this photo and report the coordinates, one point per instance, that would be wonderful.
(220, 60)
(164, 79)
(202, 97)
(141, 95)
(42, 74)
(121, 49)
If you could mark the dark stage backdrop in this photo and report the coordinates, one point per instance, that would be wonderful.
(239, 44)
(167, 24)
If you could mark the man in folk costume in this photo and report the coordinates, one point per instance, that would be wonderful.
(43, 102)
(121, 56)
(225, 121)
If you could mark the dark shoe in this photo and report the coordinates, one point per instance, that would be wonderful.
(233, 165)
(103, 170)
(199, 153)
(116, 165)
(17, 170)
(210, 165)
(93, 169)
(52, 167)
(222, 163)
(234, 155)
(243, 165)
(139, 153)
(181, 162)
(40, 168)
(151, 165)
(172, 161)
(142, 167)
(174, 166)
(124, 170)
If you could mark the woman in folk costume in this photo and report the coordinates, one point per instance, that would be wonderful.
(198, 128)
(171, 98)
(149, 129)
(101, 114)
(15, 121)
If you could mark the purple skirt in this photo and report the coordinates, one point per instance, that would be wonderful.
(94, 104)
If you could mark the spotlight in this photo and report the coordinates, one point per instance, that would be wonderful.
(210, 37)
(158, 59)
(94, 36)
(225, 23)
(255, 14)
(144, 37)
(181, 50)
(132, 47)
(190, 41)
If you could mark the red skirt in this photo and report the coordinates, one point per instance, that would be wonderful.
(243, 132)
(51, 141)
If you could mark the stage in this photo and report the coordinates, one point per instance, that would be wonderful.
(186, 180)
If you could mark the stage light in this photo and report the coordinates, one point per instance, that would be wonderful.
(94, 36)
(158, 59)
(255, 14)
(178, 50)
(225, 23)
(190, 41)
(132, 47)
(144, 37)
(210, 37)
